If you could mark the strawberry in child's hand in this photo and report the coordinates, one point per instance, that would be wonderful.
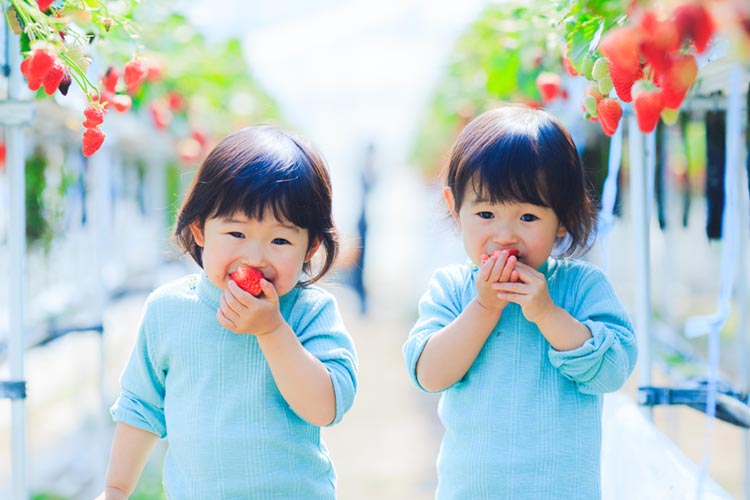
(92, 140)
(511, 252)
(248, 278)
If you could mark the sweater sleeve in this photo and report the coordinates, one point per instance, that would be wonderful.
(141, 401)
(607, 359)
(322, 332)
(438, 307)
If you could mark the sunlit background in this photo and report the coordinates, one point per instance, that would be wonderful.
(381, 88)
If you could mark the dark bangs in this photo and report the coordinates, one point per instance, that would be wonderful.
(274, 183)
(509, 171)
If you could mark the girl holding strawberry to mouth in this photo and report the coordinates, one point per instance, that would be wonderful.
(241, 380)
(521, 344)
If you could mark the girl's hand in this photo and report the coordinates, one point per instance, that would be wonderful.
(529, 291)
(498, 268)
(241, 312)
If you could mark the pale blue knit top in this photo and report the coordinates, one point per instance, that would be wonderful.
(211, 394)
(525, 420)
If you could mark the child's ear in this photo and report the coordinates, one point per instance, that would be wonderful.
(450, 201)
(561, 231)
(197, 231)
(313, 248)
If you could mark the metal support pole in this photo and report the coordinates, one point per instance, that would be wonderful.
(640, 219)
(16, 272)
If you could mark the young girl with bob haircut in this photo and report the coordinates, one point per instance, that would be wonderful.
(240, 385)
(522, 344)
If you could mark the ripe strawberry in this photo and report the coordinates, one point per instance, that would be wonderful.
(54, 77)
(41, 62)
(694, 23)
(548, 85)
(44, 4)
(248, 278)
(94, 114)
(622, 47)
(623, 81)
(677, 79)
(660, 38)
(134, 75)
(648, 104)
(92, 140)
(511, 252)
(109, 79)
(610, 113)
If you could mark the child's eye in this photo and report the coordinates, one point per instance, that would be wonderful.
(486, 215)
(236, 234)
(529, 217)
(280, 241)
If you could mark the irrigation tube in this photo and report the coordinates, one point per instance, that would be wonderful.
(609, 195)
(640, 216)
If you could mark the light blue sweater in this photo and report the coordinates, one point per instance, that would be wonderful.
(525, 420)
(211, 394)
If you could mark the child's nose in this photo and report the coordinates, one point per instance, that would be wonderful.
(503, 234)
(253, 254)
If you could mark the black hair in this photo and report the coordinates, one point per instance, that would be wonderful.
(257, 170)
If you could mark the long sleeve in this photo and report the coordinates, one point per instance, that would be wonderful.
(438, 307)
(605, 361)
(321, 331)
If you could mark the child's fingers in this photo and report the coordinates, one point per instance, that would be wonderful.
(269, 291)
(239, 295)
(224, 321)
(508, 268)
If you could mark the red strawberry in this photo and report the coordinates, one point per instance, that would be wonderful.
(622, 47)
(54, 77)
(94, 114)
(660, 39)
(109, 80)
(248, 278)
(548, 85)
(511, 251)
(92, 140)
(677, 79)
(648, 104)
(610, 112)
(623, 81)
(134, 75)
(694, 23)
(41, 62)
(44, 4)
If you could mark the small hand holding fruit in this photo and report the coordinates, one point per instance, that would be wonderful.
(497, 267)
(250, 304)
(528, 291)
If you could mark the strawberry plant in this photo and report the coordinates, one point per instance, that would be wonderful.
(58, 39)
